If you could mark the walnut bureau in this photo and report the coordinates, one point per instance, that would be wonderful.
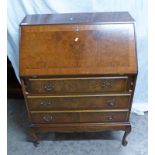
(78, 71)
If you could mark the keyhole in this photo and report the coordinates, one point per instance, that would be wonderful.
(76, 39)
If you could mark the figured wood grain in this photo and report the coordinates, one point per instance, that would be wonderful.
(78, 71)
(78, 102)
(78, 117)
(79, 49)
(77, 85)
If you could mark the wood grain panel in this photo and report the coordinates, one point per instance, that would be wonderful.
(81, 127)
(77, 102)
(78, 117)
(77, 85)
(79, 49)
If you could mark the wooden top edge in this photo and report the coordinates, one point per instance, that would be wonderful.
(23, 74)
(34, 96)
(71, 111)
(74, 18)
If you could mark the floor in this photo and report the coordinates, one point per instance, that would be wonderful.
(102, 143)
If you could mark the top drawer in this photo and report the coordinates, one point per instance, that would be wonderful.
(77, 85)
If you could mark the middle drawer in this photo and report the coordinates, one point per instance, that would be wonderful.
(75, 102)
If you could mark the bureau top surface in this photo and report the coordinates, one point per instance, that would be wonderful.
(72, 18)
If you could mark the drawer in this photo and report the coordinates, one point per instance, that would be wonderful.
(77, 85)
(98, 116)
(77, 102)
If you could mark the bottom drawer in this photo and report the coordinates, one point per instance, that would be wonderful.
(89, 116)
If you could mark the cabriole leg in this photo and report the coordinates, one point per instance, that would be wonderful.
(34, 136)
(127, 131)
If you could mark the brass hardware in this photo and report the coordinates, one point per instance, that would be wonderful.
(26, 93)
(130, 90)
(34, 76)
(109, 117)
(111, 102)
(47, 118)
(107, 84)
(45, 102)
(131, 83)
(48, 86)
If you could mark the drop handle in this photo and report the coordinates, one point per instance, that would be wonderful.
(111, 102)
(45, 103)
(48, 118)
(109, 117)
(107, 84)
(48, 86)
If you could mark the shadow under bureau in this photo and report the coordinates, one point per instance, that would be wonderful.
(78, 71)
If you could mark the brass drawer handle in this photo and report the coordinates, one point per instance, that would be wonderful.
(111, 102)
(109, 118)
(107, 84)
(45, 102)
(48, 86)
(47, 118)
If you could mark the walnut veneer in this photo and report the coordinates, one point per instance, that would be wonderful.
(78, 71)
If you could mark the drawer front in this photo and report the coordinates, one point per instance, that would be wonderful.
(77, 85)
(79, 102)
(78, 117)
